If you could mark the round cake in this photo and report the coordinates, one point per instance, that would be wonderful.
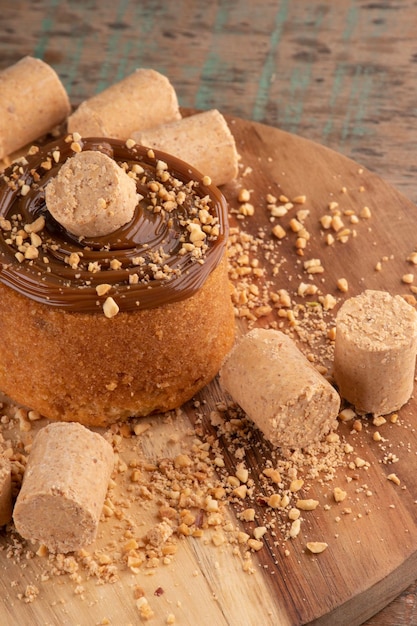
(97, 329)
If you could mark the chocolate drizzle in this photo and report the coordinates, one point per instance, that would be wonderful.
(148, 262)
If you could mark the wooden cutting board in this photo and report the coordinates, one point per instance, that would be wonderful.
(371, 536)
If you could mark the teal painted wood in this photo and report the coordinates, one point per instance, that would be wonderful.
(340, 73)
(273, 65)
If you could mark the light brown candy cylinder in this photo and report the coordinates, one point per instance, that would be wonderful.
(5, 491)
(375, 352)
(32, 102)
(141, 100)
(64, 487)
(91, 195)
(203, 140)
(279, 389)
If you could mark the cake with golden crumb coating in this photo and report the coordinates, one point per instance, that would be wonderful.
(135, 322)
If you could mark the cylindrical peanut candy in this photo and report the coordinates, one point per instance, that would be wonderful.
(375, 352)
(64, 487)
(91, 195)
(203, 140)
(141, 100)
(32, 102)
(279, 389)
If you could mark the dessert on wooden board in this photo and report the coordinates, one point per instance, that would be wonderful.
(108, 308)
(144, 312)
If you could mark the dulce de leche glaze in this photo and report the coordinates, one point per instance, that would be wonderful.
(164, 254)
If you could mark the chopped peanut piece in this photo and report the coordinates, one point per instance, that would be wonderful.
(379, 420)
(279, 232)
(342, 285)
(339, 495)
(110, 307)
(347, 414)
(274, 501)
(299, 199)
(326, 221)
(295, 225)
(243, 195)
(307, 505)
(259, 532)
(248, 515)
(365, 213)
(273, 474)
(394, 479)
(316, 547)
(240, 492)
(255, 544)
(313, 266)
(337, 223)
(102, 289)
(294, 514)
(242, 474)
(296, 485)
(295, 528)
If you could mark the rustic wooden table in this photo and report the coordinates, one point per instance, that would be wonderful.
(339, 73)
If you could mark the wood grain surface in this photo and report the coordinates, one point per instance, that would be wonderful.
(372, 535)
(339, 73)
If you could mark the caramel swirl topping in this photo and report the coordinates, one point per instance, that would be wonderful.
(176, 237)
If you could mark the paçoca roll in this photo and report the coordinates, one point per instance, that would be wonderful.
(32, 102)
(64, 487)
(279, 389)
(203, 140)
(375, 351)
(141, 100)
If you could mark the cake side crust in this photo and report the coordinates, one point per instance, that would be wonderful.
(94, 370)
